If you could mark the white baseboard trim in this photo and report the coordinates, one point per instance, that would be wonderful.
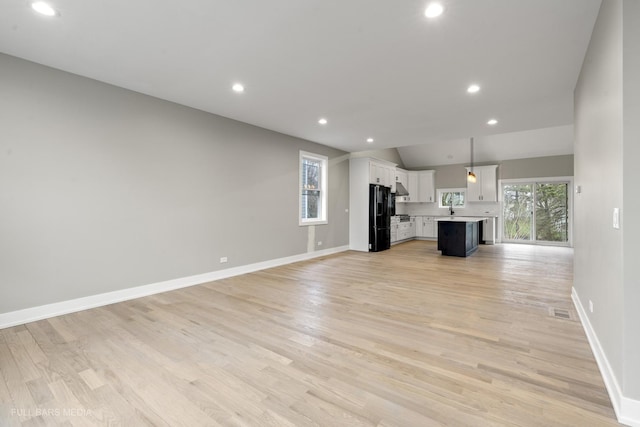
(20, 317)
(627, 410)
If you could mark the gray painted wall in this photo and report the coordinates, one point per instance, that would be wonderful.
(631, 193)
(598, 170)
(103, 189)
(606, 157)
(538, 167)
(450, 176)
(455, 176)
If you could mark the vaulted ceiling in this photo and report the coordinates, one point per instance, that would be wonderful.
(374, 69)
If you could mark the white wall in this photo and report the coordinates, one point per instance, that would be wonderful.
(104, 189)
(598, 170)
(631, 192)
(606, 271)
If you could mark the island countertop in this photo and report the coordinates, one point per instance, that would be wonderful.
(460, 218)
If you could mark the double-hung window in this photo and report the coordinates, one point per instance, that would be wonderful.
(313, 188)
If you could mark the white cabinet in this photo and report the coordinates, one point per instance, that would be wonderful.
(394, 232)
(485, 189)
(376, 175)
(406, 230)
(429, 227)
(412, 186)
(381, 173)
(362, 172)
(489, 231)
(389, 174)
(401, 177)
(409, 180)
(426, 187)
(426, 227)
(419, 184)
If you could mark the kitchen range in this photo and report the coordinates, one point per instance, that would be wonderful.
(402, 228)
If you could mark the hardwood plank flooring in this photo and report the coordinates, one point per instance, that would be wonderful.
(404, 337)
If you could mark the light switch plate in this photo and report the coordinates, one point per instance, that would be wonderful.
(616, 218)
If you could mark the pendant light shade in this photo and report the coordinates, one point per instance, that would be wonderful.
(471, 177)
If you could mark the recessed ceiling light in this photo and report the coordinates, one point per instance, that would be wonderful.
(237, 87)
(492, 122)
(433, 10)
(370, 140)
(473, 88)
(44, 8)
(322, 121)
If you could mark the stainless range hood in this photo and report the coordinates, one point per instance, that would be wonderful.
(401, 190)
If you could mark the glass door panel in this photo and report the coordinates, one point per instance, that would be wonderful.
(551, 213)
(517, 212)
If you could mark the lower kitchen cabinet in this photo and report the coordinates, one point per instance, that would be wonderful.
(406, 230)
(488, 231)
(429, 228)
(458, 238)
(426, 227)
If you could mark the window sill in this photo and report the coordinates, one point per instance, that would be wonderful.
(318, 222)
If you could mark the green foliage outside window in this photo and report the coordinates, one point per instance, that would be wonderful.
(546, 202)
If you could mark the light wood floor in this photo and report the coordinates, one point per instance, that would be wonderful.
(404, 337)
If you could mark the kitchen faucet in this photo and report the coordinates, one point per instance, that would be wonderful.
(451, 207)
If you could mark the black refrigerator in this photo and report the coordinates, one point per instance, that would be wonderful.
(379, 218)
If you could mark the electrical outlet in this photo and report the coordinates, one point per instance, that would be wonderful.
(616, 218)
(319, 243)
(223, 259)
(591, 306)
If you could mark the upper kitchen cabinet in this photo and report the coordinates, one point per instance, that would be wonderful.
(419, 184)
(485, 189)
(382, 173)
(412, 186)
(426, 187)
(401, 177)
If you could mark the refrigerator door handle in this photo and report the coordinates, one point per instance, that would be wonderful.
(375, 208)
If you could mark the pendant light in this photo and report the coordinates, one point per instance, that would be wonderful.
(471, 177)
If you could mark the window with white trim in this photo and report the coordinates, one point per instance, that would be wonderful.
(313, 188)
(451, 197)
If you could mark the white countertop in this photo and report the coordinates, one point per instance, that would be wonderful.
(460, 218)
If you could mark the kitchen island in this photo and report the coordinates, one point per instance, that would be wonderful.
(458, 236)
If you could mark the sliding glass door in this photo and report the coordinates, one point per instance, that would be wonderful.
(517, 213)
(535, 212)
(552, 212)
